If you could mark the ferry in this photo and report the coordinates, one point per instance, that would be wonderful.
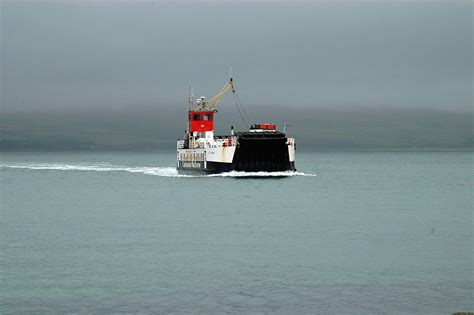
(262, 148)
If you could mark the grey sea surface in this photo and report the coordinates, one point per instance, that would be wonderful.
(351, 232)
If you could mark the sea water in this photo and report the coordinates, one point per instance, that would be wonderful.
(350, 232)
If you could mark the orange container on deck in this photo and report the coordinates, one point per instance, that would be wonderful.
(267, 126)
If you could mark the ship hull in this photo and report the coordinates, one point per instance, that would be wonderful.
(217, 168)
(253, 152)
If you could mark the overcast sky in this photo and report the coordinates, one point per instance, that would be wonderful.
(109, 54)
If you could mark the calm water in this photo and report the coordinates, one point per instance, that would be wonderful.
(120, 232)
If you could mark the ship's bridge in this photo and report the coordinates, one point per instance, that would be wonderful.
(201, 121)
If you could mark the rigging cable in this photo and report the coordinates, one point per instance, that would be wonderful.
(243, 109)
(246, 123)
(239, 106)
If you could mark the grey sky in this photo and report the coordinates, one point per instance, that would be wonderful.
(106, 54)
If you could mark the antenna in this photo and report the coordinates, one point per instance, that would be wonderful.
(230, 72)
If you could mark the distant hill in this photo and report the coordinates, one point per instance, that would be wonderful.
(314, 129)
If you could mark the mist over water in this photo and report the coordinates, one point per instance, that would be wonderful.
(113, 75)
(148, 129)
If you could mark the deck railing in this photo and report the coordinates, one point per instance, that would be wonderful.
(219, 141)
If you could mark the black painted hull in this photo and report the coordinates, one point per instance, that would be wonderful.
(262, 152)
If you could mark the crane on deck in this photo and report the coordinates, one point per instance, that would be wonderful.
(211, 104)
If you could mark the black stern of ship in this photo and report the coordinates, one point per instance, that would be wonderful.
(262, 152)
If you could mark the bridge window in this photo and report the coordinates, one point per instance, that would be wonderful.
(197, 117)
(207, 116)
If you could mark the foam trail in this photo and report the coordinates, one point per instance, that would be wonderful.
(158, 171)
(155, 171)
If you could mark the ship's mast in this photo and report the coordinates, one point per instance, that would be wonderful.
(190, 98)
(190, 108)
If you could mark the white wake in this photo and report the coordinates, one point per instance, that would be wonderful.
(260, 174)
(156, 171)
